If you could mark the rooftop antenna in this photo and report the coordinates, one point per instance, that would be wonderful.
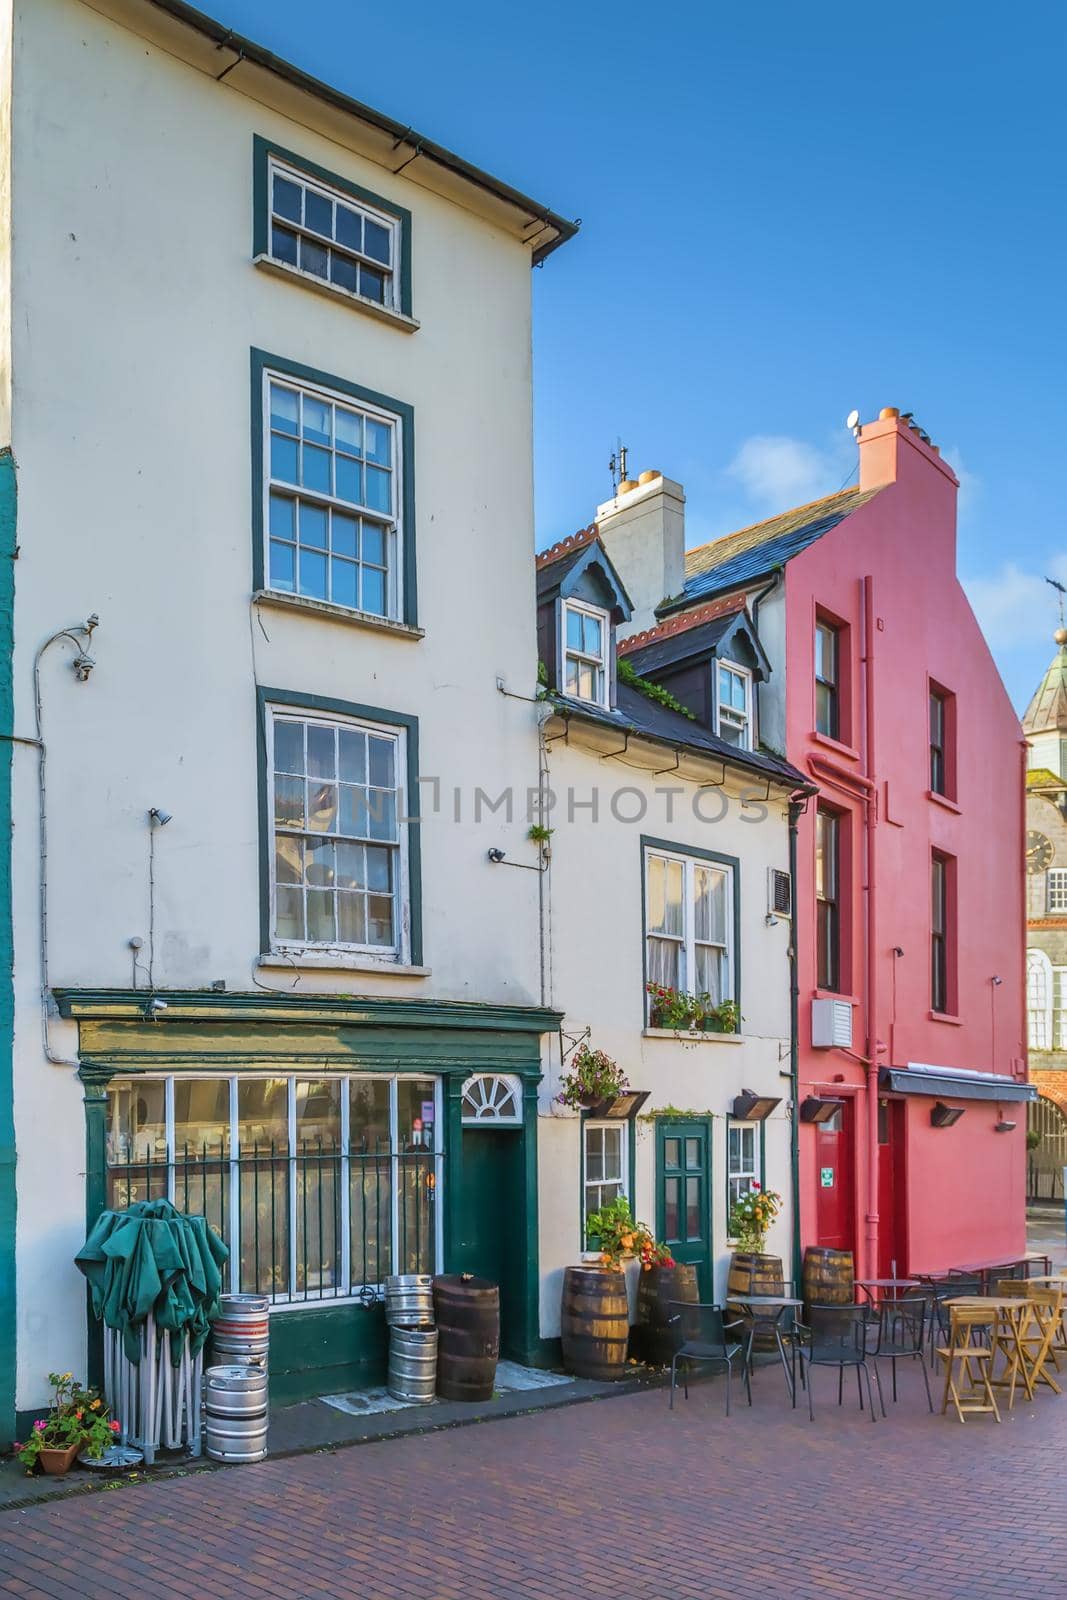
(617, 466)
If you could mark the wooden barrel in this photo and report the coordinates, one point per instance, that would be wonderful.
(651, 1339)
(752, 1272)
(467, 1312)
(594, 1323)
(828, 1277)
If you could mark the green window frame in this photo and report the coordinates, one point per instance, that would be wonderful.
(287, 699)
(265, 153)
(401, 416)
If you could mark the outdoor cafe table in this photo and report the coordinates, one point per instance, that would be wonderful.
(765, 1309)
(1014, 1316)
(893, 1284)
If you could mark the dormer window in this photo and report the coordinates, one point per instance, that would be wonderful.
(733, 704)
(586, 631)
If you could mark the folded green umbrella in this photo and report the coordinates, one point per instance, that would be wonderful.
(152, 1258)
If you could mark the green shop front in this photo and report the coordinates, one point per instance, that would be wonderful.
(330, 1141)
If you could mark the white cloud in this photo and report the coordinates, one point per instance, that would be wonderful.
(1011, 603)
(777, 472)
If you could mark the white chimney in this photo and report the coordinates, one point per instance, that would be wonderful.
(643, 531)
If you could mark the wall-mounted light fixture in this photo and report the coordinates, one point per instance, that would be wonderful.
(1004, 1127)
(943, 1116)
(816, 1109)
(751, 1107)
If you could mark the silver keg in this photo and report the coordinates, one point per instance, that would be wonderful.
(412, 1363)
(409, 1300)
(235, 1413)
(240, 1334)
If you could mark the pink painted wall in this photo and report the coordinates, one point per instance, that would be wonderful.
(965, 1185)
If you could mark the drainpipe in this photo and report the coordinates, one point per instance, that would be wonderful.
(870, 819)
(797, 807)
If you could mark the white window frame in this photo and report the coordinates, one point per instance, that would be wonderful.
(603, 661)
(1056, 891)
(688, 941)
(1039, 982)
(1058, 1033)
(623, 1179)
(399, 953)
(292, 1301)
(737, 1175)
(392, 523)
(746, 722)
(390, 271)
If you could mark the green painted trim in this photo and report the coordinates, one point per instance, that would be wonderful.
(263, 149)
(346, 708)
(95, 1080)
(258, 1007)
(671, 845)
(531, 1297)
(263, 361)
(8, 1185)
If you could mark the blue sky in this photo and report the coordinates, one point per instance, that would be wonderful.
(787, 211)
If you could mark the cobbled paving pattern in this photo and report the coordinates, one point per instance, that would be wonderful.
(613, 1498)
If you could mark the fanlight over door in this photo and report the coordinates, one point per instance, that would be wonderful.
(492, 1100)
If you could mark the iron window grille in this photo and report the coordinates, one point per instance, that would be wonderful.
(321, 1187)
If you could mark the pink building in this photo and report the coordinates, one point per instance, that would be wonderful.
(908, 897)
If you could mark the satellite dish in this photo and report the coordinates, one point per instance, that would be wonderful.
(852, 420)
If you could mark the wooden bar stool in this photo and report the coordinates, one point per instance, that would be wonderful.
(973, 1360)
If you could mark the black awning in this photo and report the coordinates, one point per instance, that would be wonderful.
(954, 1085)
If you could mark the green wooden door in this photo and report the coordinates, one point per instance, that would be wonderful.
(491, 1237)
(683, 1194)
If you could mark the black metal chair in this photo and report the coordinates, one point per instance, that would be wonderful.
(700, 1333)
(937, 1288)
(899, 1333)
(836, 1336)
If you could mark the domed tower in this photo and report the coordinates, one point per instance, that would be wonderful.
(1045, 720)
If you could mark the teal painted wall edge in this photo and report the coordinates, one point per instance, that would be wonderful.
(8, 1192)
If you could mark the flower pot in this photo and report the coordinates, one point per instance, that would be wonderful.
(58, 1459)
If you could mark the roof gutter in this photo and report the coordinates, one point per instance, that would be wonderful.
(247, 50)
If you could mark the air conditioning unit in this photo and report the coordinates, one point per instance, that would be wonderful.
(779, 893)
(831, 1024)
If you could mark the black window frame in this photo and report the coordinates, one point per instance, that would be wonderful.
(939, 933)
(828, 900)
(829, 685)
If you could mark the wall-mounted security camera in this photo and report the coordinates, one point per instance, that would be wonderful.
(154, 1007)
(496, 856)
(159, 817)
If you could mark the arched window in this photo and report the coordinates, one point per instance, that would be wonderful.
(491, 1099)
(1039, 999)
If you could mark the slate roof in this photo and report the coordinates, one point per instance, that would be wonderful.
(1047, 711)
(755, 552)
(634, 712)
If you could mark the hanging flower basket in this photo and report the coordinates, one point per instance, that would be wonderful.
(592, 1080)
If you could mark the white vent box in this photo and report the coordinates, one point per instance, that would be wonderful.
(831, 1024)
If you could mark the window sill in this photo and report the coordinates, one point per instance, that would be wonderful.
(694, 1036)
(946, 1016)
(326, 608)
(835, 745)
(943, 800)
(834, 994)
(358, 302)
(336, 961)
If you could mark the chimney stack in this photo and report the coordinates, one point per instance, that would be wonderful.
(895, 448)
(643, 531)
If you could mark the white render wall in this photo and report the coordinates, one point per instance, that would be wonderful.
(136, 306)
(597, 980)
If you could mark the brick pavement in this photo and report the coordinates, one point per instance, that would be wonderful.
(614, 1497)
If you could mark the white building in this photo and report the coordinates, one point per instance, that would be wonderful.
(267, 388)
(669, 863)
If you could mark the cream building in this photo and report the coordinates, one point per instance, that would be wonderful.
(267, 391)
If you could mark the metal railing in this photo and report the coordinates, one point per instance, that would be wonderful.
(312, 1223)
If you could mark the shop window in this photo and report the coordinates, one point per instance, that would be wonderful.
(321, 1186)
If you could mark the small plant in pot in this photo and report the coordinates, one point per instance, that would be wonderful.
(751, 1216)
(77, 1421)
(615, 1232)
(591, 1079)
